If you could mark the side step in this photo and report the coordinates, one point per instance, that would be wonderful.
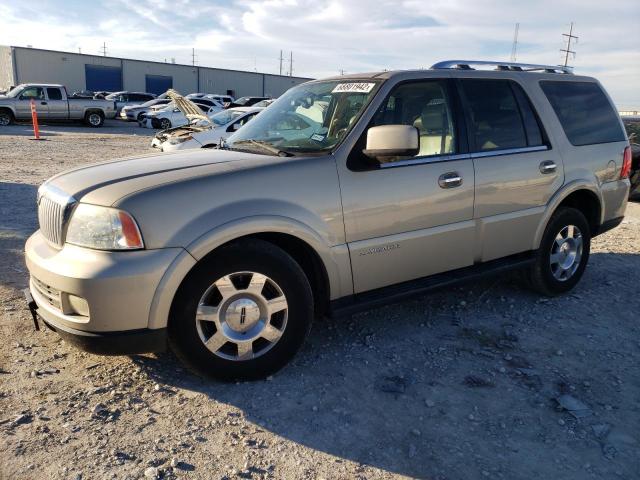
(395, 293)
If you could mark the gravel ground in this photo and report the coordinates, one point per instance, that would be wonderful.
(486, 381)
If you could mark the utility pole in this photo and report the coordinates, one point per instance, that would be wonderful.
(341, 71)
(281, 59)
(79, 50)
(104, 49)
(568, 50)
(291, 64)
(193, 57)
(514, 48)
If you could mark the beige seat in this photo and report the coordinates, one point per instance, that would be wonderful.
(435, 135)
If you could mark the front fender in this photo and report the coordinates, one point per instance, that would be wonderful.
(557, 199)
(334, 258)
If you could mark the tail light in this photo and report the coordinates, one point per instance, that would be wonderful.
(626, 164)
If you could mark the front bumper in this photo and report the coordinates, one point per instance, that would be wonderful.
(118, 287)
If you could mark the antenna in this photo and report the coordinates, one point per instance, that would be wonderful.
(193, 57)
(104, 49)
(281, 59)
(568, 50)
(514, 48)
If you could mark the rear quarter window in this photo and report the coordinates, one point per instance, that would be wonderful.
(585, 113)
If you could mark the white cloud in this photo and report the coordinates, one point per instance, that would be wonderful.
(328, 35)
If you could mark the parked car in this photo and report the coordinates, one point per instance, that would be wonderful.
(134, 113)
(172, 116)
(264, 103)
(122, 99)
(411, 181)
(52, 103)
(200, 134)
(212, 96)
(246, 101)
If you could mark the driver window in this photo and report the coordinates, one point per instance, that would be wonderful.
(35, 93)
(426, 106)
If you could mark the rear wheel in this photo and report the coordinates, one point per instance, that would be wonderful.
(242, 313)
(6, 118)
(94, 119)
(563, 253)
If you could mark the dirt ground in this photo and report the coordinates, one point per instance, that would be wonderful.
(486, 381)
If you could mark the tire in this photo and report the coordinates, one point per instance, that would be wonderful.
(139, 117)
(227, 316)
(556, 270)
(94, 119)
(165, 124)
(6, 118)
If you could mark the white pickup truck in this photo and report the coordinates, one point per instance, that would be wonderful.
(52, 103)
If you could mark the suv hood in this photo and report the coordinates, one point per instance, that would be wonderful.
(105, 183)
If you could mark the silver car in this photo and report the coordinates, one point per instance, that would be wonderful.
(346, 193)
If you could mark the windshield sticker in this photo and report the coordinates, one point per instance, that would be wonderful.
(317, 137)
(358, 87)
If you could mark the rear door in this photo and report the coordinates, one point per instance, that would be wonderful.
(411, 217)
(516, 169)
(58, 106)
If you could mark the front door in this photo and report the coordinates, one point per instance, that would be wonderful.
(23, 105)
(411, 217)
(517, 171)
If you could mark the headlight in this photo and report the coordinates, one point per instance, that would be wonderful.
(178, 140)
(103, 228)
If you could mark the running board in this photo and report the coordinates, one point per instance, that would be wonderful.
(395, 293)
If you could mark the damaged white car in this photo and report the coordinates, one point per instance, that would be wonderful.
(201, 133)
(175, 114)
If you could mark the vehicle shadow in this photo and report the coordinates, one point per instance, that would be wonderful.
(391, 387)
(18, 220)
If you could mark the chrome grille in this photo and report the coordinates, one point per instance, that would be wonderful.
(50, 216)
(53, 209)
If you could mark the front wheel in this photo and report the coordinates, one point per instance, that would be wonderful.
(242, 313)
(165, 124)
(6, 118)
(563, 253)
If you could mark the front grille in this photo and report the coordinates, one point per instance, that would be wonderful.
(54, 207)
(50, 294)
(51, 217)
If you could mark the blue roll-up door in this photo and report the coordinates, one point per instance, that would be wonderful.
(158, 83)
(103, 78)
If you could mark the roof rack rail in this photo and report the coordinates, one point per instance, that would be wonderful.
(502, 66)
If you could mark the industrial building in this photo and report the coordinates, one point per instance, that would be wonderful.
(79, 71)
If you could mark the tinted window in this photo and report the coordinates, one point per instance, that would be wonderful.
(426, 106)
(496, 122)
(54, 94)
(584, 111)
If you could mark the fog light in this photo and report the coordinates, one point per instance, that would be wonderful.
(78, 305)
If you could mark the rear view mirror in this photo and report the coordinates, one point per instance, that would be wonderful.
(388, 141)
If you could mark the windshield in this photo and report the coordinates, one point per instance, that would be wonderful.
(226, 116)
(15, 91)
(309, 118)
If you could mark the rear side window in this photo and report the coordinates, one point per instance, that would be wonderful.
(54, 94)
(584, 112)
(497, 119)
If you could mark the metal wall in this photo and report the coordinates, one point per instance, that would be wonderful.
(6, 68)
(48, 66)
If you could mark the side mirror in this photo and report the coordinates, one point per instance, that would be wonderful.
(387, 141)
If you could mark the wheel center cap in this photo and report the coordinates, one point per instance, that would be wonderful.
(242, 314)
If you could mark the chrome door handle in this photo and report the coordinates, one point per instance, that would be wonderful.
(548, 166)
(450, 180)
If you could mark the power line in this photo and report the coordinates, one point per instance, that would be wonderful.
(568, 50)
(514, 47)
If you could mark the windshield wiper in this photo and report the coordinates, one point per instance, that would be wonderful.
(264, 146)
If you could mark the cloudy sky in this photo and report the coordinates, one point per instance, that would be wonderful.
(327, 36)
